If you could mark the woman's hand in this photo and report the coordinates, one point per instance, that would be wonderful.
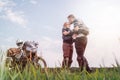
(66, 32)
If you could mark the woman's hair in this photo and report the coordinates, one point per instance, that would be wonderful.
(65, 24)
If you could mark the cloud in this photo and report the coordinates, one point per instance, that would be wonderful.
(7, 4)
(51, 44)
(14, 16)
(10, 39)
(2, 4)
(33, 2)
(51, 50)
(7, 42)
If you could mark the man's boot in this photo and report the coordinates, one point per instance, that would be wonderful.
(86, 65)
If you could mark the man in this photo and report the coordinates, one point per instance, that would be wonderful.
(80, 33)
(67, 45)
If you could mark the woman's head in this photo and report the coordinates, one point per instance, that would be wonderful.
(66, 24)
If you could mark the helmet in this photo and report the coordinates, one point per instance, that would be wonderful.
(19, 42)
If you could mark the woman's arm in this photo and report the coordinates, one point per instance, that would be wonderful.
(66, 32)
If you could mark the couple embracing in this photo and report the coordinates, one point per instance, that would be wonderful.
(78, 36)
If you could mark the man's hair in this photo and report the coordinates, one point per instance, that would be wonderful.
(71, 16)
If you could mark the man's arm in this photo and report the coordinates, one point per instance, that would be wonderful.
(80, 27)
(76, 28)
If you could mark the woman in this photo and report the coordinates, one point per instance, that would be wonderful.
(67, 45)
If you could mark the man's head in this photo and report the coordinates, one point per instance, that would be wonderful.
(66, 24)
(71, 18)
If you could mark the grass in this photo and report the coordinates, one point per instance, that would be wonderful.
(59, 74)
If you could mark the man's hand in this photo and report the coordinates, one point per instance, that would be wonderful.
(76, 28)
(74, 36)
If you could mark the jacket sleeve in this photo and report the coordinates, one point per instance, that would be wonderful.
(83, 28)
(66, 37)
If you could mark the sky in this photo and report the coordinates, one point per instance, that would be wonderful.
(42, 21)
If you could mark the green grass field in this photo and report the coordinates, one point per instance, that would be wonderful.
(59, 74)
